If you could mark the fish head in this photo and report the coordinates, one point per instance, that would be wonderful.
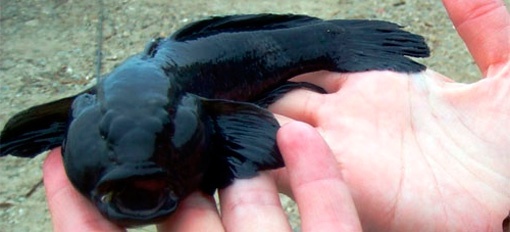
(136, 168)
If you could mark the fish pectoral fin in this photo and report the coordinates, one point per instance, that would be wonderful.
(36, 129)
(240, 23)
(244, 139)
(269, 97)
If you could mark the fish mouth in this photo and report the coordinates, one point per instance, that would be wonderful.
(135, 200)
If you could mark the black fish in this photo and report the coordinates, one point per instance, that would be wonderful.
(506, 223)
(187, 113)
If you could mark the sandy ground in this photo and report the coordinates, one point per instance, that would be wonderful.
(47, 51)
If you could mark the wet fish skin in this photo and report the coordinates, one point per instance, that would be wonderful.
(292, 46)
(179, 117)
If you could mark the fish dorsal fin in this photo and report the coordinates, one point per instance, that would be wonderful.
(240, 23)
(244, 141)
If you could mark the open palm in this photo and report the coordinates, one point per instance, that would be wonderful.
(418, 150)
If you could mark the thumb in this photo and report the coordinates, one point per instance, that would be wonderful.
(323, 198)
(70, 211)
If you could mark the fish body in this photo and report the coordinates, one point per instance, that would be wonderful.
(188, 113)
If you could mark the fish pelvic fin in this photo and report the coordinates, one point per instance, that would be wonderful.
(36, 129)
(244, 142)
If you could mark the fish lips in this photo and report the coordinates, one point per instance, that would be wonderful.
(132, 195)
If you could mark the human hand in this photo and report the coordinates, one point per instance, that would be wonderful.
(247, 205)
(418, 150)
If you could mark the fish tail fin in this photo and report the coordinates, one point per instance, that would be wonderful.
(36, 129)
(376, 45)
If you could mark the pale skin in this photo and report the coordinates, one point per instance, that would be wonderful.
(385, 151)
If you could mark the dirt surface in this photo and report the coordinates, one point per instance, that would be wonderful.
(47, 51)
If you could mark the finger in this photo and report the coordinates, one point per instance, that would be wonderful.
(323, 199)
(282, 120)
(196, 213)
(70, 211)
(253, 205)
(315, 108)
(301, 105)
(484, 25)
